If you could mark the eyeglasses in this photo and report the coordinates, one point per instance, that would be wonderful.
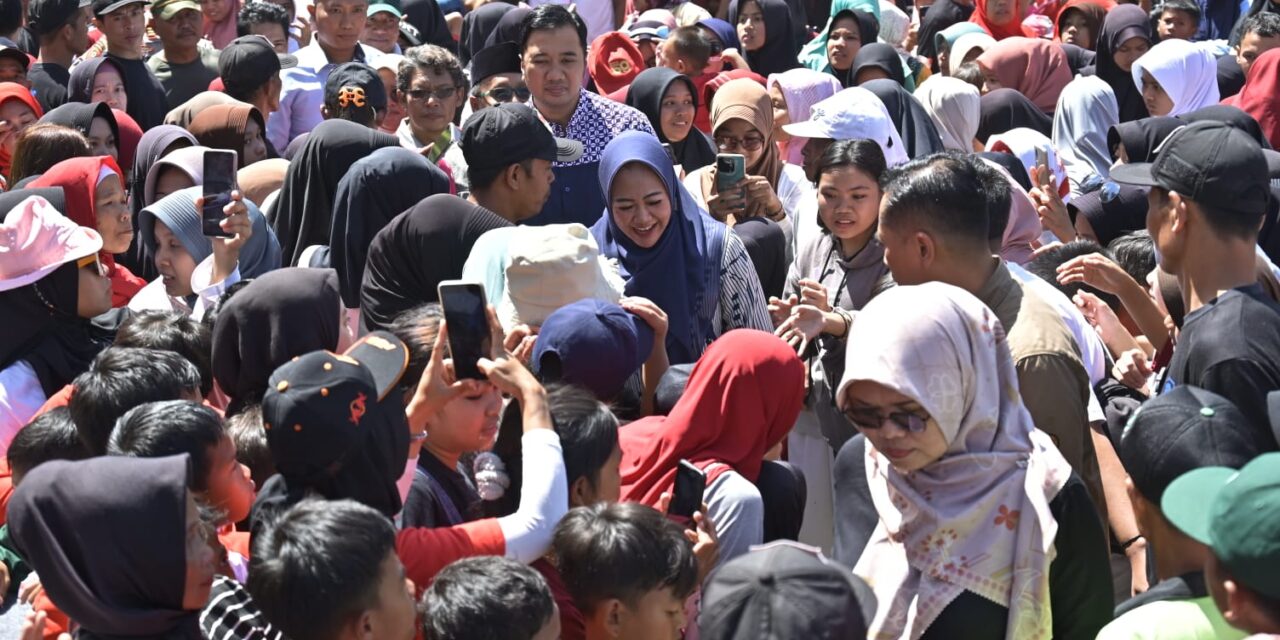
(422, 95)
(727, 143)
(871, 419)
(505, 94)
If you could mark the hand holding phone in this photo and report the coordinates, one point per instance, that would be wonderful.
(469, 336)
(1044, 175)
(690, 485)
(219, 182)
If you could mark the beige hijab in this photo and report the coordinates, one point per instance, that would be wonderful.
(954, 106)
(746, 99)
(183, 114)
(977, 519)
(262, 178)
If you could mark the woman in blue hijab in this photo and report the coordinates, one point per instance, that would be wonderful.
(671, 252)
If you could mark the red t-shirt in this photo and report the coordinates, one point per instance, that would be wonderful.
(572, 625)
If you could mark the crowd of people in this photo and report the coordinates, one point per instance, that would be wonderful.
(788, 319)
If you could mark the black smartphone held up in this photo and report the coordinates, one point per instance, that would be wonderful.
(686, 500)
(219, 182)
(468, 326)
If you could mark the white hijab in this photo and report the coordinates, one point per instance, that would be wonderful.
(978, 518)
(964, 44)
(1188, 73)
(954, 106)
(1086, 110)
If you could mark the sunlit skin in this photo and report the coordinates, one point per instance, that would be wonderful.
(108, 87)
(848, 206)
(1253, 45)
(102, 141)
(466, 424)
(255, 146)
(395, 610)
(173, 262)
(429, 115)
(1153, 95)
(639, 204)
(1176, 25)
(215, 10)
(1075, 29)
(169, 180)
(230, 484)
(200, 561)
(1000, 11)
(812, 154)
(12, 71)
(15, 116)
(655, 615)
(1129, 51)
(483, 98)
(553, 63)
(990, 81)
(338, 26)
(272, 32)
(381, 31)
(93, 291)
(780, 115)
(125, 29)
(112, 209)
(395, 104)
(844, 42)
(752, 32)
(180, 35)
(676, 113)
(871, 402)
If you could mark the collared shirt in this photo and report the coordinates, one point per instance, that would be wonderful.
(575, 196)
(302, 92)
(1178, 608)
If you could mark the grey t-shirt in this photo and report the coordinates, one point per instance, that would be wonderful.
(182, 82)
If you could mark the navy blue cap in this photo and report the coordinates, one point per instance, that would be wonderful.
(594, 344)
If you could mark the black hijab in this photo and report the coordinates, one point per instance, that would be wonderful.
(108, 538)
(1233, 116)
(868, 31)
(942, 14)
(1230, 76)
(418, 250)
(914, 125)
(375, 190)
(880, 56)
(781, 45)
(79, 116)
(304, 214)
(80, 86)
(1078, 58)
(1123, 21)
(43, 328)
(1012, 164)
(476, 27)
(646, 93)
(284, 313)
(153, 146)
(508, 27)
(766, 244)
(1141, 137)
(1110, 219)
(1005, 109)
(427, 17)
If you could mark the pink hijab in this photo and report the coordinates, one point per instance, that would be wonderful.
(1023, 227)
(802, 88)
(222, 33)
(1036, 68)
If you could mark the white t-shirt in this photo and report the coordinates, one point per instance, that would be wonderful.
(598, 14)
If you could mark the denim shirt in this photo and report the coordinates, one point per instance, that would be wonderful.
(302, 92)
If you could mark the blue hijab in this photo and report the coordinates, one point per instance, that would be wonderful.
(723, 30)
(681, 272)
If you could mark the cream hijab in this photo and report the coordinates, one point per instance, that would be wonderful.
(978, 518)
(954, 106)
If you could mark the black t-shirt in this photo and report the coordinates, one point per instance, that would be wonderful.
(1231, 346)
(28, 42)
(425, 507)
(49, 84)
(147, 104)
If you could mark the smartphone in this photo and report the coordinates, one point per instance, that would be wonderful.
(671, 153)
(687, 497)
(219, 182)
(731, 168)
(469, 338)
(1042, 161)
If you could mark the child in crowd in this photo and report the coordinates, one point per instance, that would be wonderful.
(1178, 20)
(489, 598)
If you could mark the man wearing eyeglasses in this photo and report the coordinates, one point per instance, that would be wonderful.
(495, 72)
(431, 88)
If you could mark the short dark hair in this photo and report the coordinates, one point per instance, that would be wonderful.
(247, 431)
(429, 57)
(50, 436)
(486, 598)
(864, 155)
(10, 15)
(318, 565)
(995, 186)
(941, 193)
(622, 551)
(1046, 262)
(550, 17)
(691, 43)
(588, 432)
(1265, 24)
(1188, 7)
(121, 378)
(1135, 253)
(417, 329)
(168, 428)
(484, 177)
(1223, 222)
(172, 331)
(970, 72)
(259, 12)
(43, 145)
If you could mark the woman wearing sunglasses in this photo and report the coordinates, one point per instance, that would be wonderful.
(983, 530)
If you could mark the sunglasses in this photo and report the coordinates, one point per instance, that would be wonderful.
(505, 94)
(870, 419)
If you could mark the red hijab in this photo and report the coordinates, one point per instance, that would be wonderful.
(1005, 29)
(15, 91)
(614, 61)
(744, 395)
(1260, 96)
(78, 178)
(130, 136)
(1095, 11)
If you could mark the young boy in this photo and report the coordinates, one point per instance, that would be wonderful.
(489, 598)
(687, 50)
(1179, 20)
(629, 569)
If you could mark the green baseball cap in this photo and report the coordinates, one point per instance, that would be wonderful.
(388, 6)
(1235, 513)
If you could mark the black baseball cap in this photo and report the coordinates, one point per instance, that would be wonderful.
(410, 34)
(359, 81)
(508, 133)
(249, 61)
(103, 7)
(9, 49)
(317, 405)
(782, 591)
(503, 57)
(1183, 429)
(1210, 162)
(47, 16)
